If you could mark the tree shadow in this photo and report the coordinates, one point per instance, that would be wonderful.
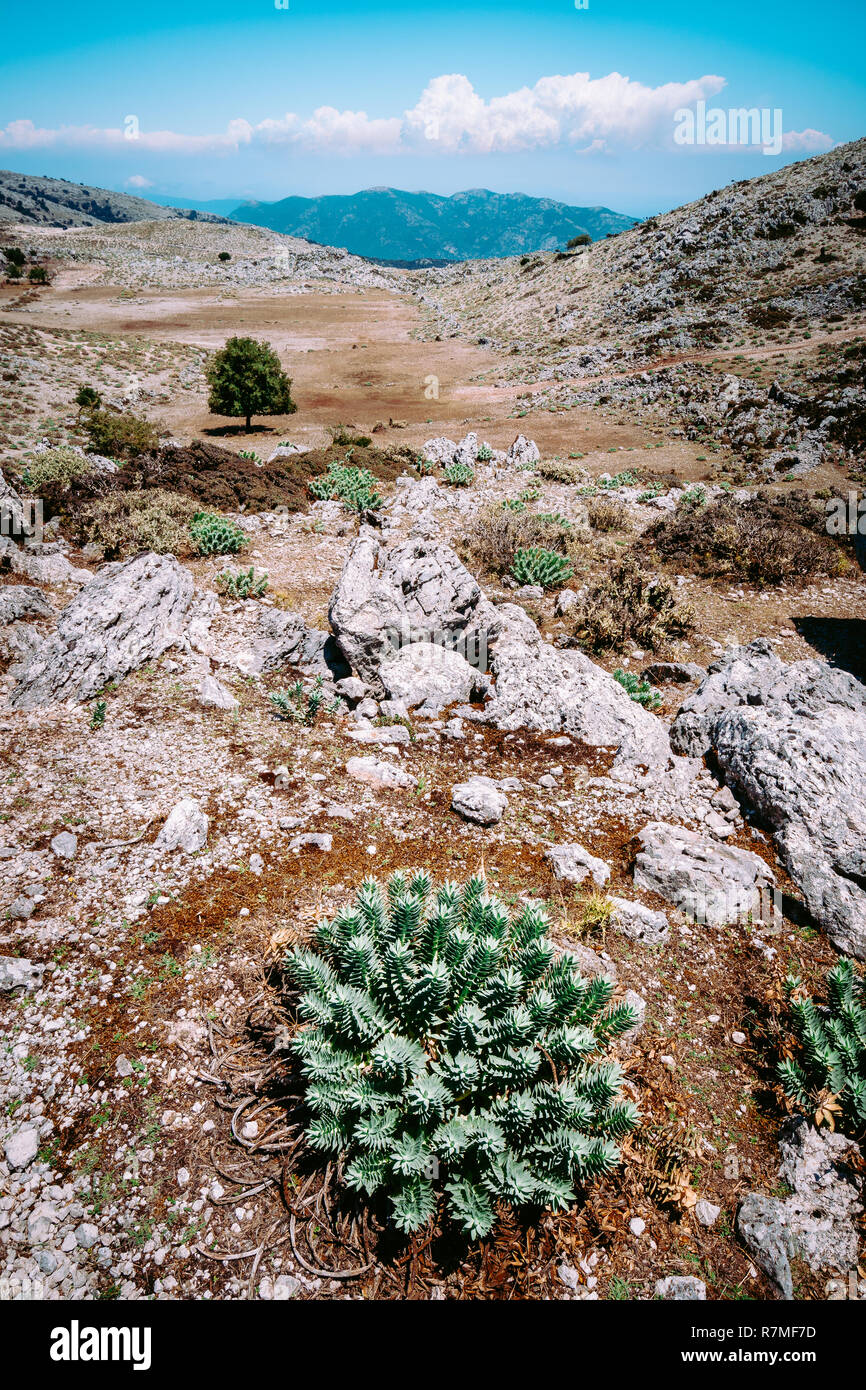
(224, 431)
(841, 640)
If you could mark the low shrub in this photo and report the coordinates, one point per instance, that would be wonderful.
(343, 436)
(53, 472)
(765, 540)
(300, 706)
(119, 435)
(560, 471)
(216, 535)
(826, 1072)
(439, 1033)
(607, 514)
(87, 398)
(498, 531)
(536, 565)
(627, 605)
(126, 523)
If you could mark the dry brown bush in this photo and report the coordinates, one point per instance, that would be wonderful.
(608, 514)
(496, 533)
(561, 471)
(765, 541)
(628, 605)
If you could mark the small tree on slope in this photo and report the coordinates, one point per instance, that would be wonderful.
(245, 378)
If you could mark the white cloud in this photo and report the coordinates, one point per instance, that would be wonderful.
(814, 141)
(575, 111)
(138, 181)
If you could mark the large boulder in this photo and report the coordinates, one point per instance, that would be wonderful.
(129, 613)
(185, 828)
(23, 601)
(18, 639)
(817, 1221)
(540, 688)
(523, 452)
(387, 599)
(428, 677)
(789, 740)
(709, 882)
(276, 637)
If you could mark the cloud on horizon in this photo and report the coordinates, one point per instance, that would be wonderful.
(577, 112)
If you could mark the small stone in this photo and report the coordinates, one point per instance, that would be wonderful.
(22, 909)
(257, 864)
(573, 864)
(637, 1226)
(64, 845)
(250, 1130)
(285, 1287)
(41, 1222)
(478, 800)
(22, 1147)
(186, 828)
(351, 688)
(640, 923)
(378, 775)
(566, 600)
(681, 1287)
(16, 972)
(569, 1276)
(183, 1177)
(86, 1235)
(706, 1213)
(123, 1067)
(738, 1038)
(214, 695)
(324, 843)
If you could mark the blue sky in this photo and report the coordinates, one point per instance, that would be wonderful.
(244, 99)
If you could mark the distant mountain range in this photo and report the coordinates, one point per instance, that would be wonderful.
(384, 224)
(389, 224)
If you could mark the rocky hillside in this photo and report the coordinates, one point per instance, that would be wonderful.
(390, 224)
(777, 252)
(57, 203)
(177, 252)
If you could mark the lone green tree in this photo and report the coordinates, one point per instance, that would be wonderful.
(245, 378)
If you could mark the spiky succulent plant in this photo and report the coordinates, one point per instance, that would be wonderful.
(354, 486)
(240, 584)
(216, 535)
(535, 565)
(445, 1037)
(832, 1046)
(459, 474)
